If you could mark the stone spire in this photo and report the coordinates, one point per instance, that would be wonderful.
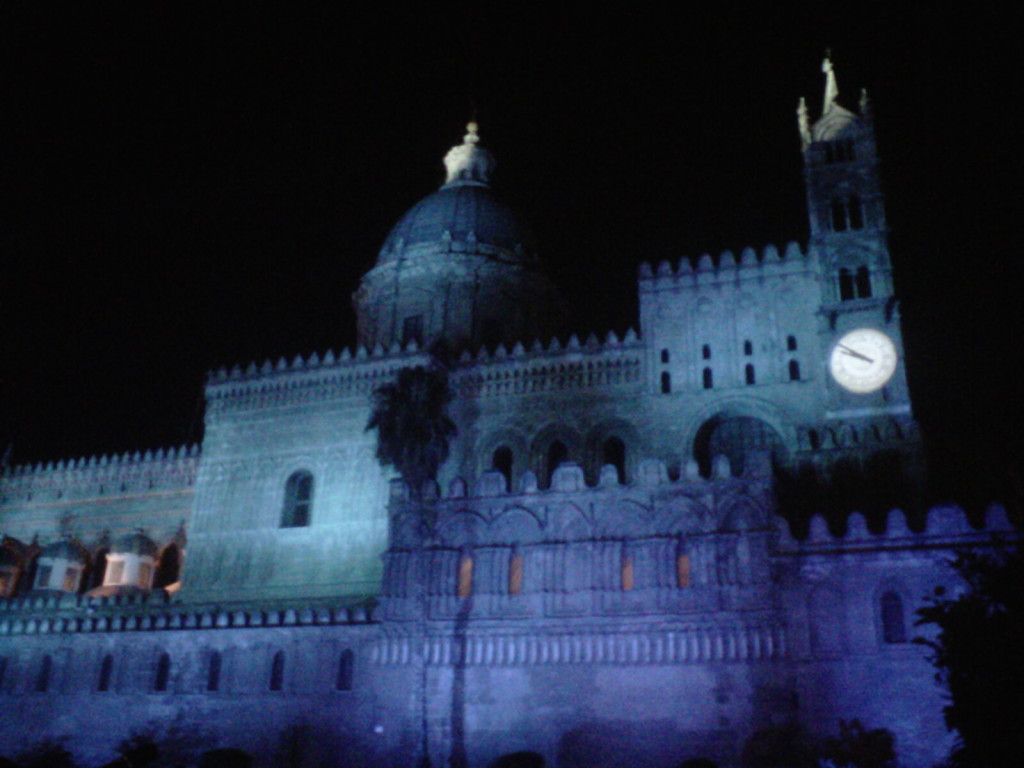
(831, 87)
(469, 163)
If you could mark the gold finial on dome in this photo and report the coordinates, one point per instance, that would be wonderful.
(469, 162)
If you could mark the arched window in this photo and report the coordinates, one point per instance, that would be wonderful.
(863, 283)
(794, 370)
(846, 291)
(748, 348)
(557, 453)
(894, 628)
(502, 461)
(666, 382)
(277, 672)
(45, 671)
(614, 452)
(465, 584)
(515, 574)
(856, 213)
(627, 573)
(682, 570)
(213, 672)
(346, 668)
(168, 571)
(791, 343)
(163, 673)
(748, 374)
(709, 380)
(298, 500)
(106, 672)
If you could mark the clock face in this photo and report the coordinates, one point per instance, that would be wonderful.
(863, 360)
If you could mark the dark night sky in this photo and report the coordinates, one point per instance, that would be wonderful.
(189, 188)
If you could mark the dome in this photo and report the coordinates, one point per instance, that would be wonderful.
(460, 212)
(65, 549)
(136, 543)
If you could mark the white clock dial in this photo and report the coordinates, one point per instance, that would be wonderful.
(863, 360)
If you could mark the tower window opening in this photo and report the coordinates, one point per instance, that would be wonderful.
(838, 216)
(664, 355)
(791, 343)
(346, 670)
(863, 281)
(515, 574)
(163, 672)
(794, 370)
(856, 213)
(614, 452)
(213, 672)
(748, 374)
(106, 672)
(45, 672)
(493, 332)
(3, 670)
(846, 289)
(298, 500)
(709, 380)
(748, 348)
(502, 461)
(705, 352)
(277, 672)
(666, 382)
(465, 583)
(43, 576)
(894, 629)
(412, 330)
(557, 453)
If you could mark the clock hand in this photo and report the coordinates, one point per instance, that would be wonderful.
(853, 353)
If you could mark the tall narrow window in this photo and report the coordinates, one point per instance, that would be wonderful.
(163, 673)
(167, 572)
(846, 291)
(45, 671)
(627, 573)
(748, 348)
(863, 283)
(748, 374)
(98, 570)
(709, 380)
(277, 672)
(213, 672)
(614, 452)
(794, 370)
(856, 213)
(465, 585)
(791, 343)
(346, 668)
(682, 570)
(557, 453)
(515, 574)
(894, 629)
(3, 671)
(705, 352)
(664, 355)
(298, 500)
(502, 461)
(666, 382)
(106, 672)
(412, 330)
(43, 576)
(838, 209)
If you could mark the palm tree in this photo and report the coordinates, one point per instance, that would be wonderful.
(410, 415)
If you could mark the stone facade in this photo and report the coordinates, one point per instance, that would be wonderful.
(608, 579)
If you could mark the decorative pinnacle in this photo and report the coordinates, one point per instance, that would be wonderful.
(469, 162)
(802, 122)
(831, 87)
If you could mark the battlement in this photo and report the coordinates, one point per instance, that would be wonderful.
(945, 526)
(705, 270)
(163, 468)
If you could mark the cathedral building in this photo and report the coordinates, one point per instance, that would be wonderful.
(609, 578)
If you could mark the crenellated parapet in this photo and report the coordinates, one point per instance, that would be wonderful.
(946, 527)
(726, 268)
(97, 476)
